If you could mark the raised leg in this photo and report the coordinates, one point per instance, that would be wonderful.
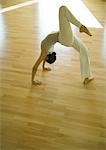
(65, 31)
(65, 18)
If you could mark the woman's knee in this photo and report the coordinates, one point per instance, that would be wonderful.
(62, 8)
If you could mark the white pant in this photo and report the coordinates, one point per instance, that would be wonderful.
(67, 38)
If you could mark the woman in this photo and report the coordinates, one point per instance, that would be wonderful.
(65, 37)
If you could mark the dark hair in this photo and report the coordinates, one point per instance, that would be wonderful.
(51, 58)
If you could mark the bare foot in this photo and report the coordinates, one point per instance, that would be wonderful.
(47, 69)
(87, 80)
(84, 29)
(37, 82)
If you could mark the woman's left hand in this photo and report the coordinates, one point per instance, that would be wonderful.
(47, 69)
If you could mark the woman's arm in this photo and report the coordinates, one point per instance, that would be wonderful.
(36, 65)
(45, 68)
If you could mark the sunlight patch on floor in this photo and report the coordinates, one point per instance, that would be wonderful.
(14, 7)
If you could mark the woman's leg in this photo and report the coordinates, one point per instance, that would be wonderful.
(64, 12)
(67, 38)
(65, 18)
(84, 59)
(65, 34)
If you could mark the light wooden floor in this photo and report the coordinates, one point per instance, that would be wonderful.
(61, 114)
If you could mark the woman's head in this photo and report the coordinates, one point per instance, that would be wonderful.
(51, 58)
